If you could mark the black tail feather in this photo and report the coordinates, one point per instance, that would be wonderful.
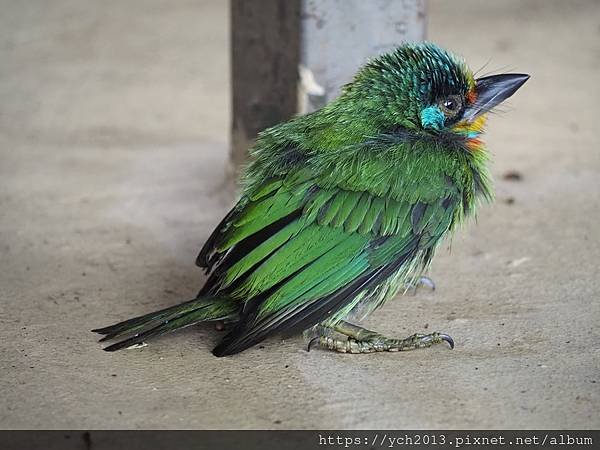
(163, 328)
(130, 325)
(168, 319)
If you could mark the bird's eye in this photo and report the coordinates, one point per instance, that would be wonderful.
(451, 105)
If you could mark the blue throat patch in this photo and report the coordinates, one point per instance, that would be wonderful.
(432, 117)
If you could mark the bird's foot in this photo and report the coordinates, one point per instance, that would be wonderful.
(361, 340)
(380, 343)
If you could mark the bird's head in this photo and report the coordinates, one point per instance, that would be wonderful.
(423, 88)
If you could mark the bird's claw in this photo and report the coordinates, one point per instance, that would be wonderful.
(426, 281)
(311, 342)
(448, 339)
(436, 338)
(422, 281)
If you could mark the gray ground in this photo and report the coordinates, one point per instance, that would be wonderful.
(113, 139)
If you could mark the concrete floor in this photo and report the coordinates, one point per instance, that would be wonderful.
(113, 141)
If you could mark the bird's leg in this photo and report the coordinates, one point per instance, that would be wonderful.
(361, 340)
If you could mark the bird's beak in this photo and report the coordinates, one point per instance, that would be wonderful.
(493, 90)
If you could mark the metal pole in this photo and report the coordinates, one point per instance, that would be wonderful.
(293, 56)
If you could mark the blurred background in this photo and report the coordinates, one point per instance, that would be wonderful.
(115, 138)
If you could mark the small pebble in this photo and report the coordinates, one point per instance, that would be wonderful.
(512, 175)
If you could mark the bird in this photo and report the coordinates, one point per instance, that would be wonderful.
(342, 208)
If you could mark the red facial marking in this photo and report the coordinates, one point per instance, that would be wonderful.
(471, 95)
(474, 144)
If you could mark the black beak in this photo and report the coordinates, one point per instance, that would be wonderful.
(493, 90)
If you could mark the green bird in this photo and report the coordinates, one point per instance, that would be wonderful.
(344, 207)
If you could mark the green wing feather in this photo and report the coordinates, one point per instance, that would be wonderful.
(336, 237)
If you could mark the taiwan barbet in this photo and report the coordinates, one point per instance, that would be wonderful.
(344, 207)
